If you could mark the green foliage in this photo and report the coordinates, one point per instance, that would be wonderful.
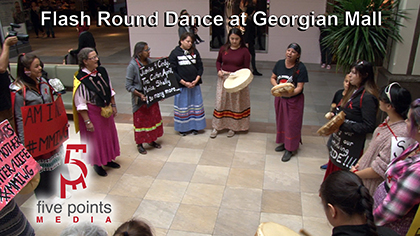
(352, 43)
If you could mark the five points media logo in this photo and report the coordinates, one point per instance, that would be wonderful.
(81, 180)
(72, 209)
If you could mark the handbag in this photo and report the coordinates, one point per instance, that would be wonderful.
(106, 111)
(31, 186)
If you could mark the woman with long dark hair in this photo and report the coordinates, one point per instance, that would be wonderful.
(32, 89)
(360, 104)
(232, 110)
(94, 109)
(395, 101)
(188, 68)
(147, 120)
(348, 206)
(289, 107)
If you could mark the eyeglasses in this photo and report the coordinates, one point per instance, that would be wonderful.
(388, 90)
(146, 50)
(93, 58)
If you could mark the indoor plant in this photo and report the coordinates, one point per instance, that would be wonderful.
(350, 43)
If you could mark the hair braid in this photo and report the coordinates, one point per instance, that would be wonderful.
(367, 202)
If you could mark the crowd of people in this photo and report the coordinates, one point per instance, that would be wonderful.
(30, 14)
(373, 192)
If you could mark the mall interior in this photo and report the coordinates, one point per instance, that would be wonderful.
(195, 185)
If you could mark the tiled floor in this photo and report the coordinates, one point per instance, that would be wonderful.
(195, 185)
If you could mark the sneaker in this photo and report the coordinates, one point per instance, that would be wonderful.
(324, 167)
(323, 65)
(230, 133)
(287, 156)
(257, 73)
(328, 67)
(99, 170)
(280, 148)
(113, 165)
(195, 132)
(183, 133)
(213, 133)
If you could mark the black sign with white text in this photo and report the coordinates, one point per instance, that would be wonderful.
(345, 148)
(158, 81)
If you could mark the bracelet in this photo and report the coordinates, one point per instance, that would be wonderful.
(87, 122)
(354, 171)
(113, 105)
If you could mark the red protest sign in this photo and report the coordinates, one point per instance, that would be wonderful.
(17, 167)
(45, 127)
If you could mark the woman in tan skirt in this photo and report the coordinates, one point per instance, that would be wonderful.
(232, 110)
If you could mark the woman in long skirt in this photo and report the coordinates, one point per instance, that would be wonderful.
(93, 93)
(232, 110)
(147, 120)
(188, 68)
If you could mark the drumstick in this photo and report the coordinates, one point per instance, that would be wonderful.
(333, 106)
(302, 231)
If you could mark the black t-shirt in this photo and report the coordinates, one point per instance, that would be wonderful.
(5, 100)
(338, 96)
(285, 75)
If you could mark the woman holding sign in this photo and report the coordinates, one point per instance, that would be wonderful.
(360, 104)
(232, 110)
(397, 199)
(147, 120)
(94, 109)
(394, 100)
(31, 89)
(188, 68)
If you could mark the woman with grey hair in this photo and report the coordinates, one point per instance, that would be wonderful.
(84, 229)
(94, 109)
(147, 120)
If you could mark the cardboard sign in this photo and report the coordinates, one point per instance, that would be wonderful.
(345, 149)
(398, 145)
(158, 81)
(45, 127)
(17, 167)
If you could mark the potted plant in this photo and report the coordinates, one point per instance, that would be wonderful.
(359, 41)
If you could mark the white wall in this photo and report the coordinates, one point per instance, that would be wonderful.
(400, 54)
(163, 39)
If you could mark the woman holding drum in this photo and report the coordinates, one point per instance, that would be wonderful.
(360, 105)
(289, 107)
(232, 110)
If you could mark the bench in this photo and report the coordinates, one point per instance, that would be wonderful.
(63, 72)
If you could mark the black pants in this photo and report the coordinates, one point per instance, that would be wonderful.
(251, 49)
(326, 56)
(49, 182)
